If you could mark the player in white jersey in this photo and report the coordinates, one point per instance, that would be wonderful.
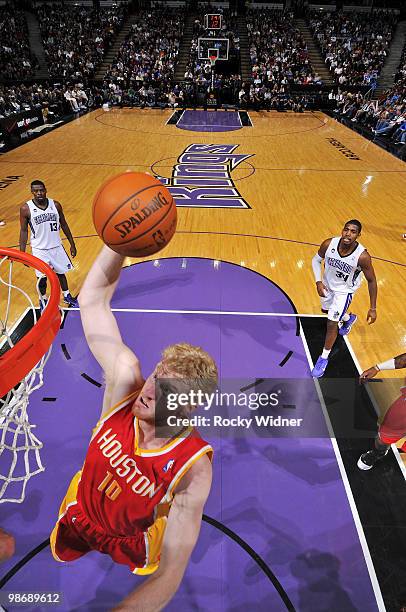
(45, 217)
(344, 261)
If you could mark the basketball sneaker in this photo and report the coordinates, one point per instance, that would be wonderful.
(320, 367)
(346, 326)
(370, 458)
(71, 301)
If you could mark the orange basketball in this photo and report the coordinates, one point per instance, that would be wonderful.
(134, 214)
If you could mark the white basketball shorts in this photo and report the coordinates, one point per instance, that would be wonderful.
(336, 304)
(57, 258)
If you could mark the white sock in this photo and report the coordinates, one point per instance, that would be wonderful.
(65, 293)
(326, 353)
(345, 317)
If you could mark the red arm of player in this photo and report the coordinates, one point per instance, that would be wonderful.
(180, 538)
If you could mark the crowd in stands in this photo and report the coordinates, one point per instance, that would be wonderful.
(279, 55)
(148, 54)
(16, 59)
(354, 45)
(142, 73)
(57, 100)
(76, 38)
(54, 101)
(384, 118)
(400, 76)
(280, 98)
(164, 95)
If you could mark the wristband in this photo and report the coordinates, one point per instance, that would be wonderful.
(386, 365)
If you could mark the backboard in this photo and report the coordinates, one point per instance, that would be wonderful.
(210, 46)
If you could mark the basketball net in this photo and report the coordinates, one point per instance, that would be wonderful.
(19, 446)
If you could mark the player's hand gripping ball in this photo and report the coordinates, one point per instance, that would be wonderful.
(134, 214)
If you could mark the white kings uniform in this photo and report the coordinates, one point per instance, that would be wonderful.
(45, 239)
(342, 277)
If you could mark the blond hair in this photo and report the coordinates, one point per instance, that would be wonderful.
(189, 362)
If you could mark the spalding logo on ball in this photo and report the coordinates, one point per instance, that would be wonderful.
(134, 214)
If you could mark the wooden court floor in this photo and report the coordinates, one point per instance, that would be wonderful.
(305, 176)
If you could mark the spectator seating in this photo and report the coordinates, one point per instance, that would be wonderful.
(76, 38)
(148, 54)
(16, 59)
(278, 51)
(354, 45)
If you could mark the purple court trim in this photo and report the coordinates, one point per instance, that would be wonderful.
(284, 497)
(209, 121)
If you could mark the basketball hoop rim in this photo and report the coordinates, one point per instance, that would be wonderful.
(17, 362)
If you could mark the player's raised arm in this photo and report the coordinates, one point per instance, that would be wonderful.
(365, 264)
(24, 219)
(66, 229)
(316, 265)
(180, 538)
(120, 365)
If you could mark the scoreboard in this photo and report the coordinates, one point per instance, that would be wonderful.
(213, 21)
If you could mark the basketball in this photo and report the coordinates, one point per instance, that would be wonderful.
(134, 214)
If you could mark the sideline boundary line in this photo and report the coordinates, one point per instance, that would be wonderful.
(346, 483)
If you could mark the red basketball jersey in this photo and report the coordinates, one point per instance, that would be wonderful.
(122, 485)
(394, 422)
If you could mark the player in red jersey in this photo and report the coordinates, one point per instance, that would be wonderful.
(139, 497)
(393, 427)
(7, 545)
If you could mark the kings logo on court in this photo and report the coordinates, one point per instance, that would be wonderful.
(202, 178)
